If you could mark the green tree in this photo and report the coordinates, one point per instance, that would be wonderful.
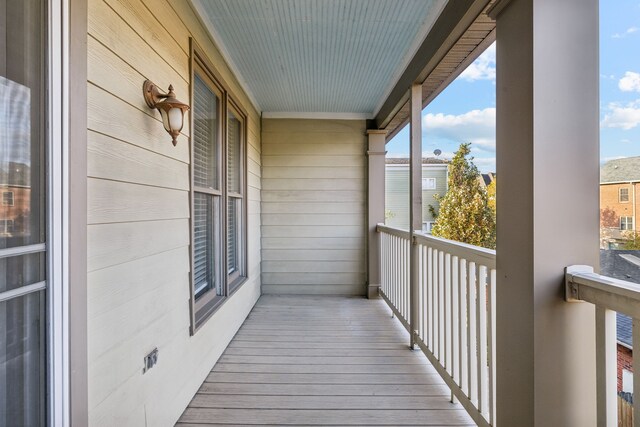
(633, 241)
(491, 196)
(465, 214)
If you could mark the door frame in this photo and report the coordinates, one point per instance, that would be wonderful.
(67, 214)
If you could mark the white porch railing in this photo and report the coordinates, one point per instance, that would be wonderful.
(609, 296)
(455, 328)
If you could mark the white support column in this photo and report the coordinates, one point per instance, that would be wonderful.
(415, 202)
(376, 154)
(607, 367)
(548, 164)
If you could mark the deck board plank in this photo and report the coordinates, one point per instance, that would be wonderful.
(313, 360)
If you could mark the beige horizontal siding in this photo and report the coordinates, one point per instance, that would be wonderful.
(313, 206)
(138, 214)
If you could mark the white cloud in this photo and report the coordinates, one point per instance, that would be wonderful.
(485, 164)
(630, 82)
(483, 68)
(622, 116)
(475, 126)
(627, 32)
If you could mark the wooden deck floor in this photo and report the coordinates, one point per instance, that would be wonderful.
(322, 361)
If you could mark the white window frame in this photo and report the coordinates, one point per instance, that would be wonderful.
(12, 198)
(427, 226)
(626, 223)
(620, 190)
(429, 183)
(4, 226)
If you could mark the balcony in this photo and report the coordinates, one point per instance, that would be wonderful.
(345, 361)
(304, 360)
(156, 248)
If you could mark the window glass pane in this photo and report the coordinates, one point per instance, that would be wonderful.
(22, 378)
(234, 233)
(624, 194)
(205, 136)
(205, 247)
(22, 270)
(233, 156)
(22, 101)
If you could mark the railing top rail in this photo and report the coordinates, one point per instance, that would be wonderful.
(582, 284)
(381, 228)
(471, 253)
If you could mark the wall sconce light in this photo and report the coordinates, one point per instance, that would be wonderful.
(171, 110)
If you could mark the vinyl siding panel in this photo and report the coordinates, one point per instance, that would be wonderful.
(313, 207)
(397, 193)
(138, 215)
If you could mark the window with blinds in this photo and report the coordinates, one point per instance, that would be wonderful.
(218, 215)
(234, 196)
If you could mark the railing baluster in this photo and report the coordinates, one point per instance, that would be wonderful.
(492, 344)
(431, 302)
(483, 374)
(407, 282)
(403, 272)
(423, 272)
(436, 303)
(606, 367)
(398, 274)
(472, 335)
(636, 377)
(447, 309)
(440, 306)
(455, 316)
(464, 328)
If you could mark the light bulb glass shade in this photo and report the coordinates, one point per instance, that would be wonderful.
(165, 119)
(176, 119)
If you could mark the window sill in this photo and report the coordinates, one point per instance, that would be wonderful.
(206, 312)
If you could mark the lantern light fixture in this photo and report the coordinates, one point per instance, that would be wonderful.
(171, 110)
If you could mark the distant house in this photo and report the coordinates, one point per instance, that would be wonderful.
(434, 181)
(619, 201)
(15, 200)
(487, 178)
(623, 265)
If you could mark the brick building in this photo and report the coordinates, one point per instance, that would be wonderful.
(619, 200)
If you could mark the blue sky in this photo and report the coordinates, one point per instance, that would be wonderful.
(465, 111)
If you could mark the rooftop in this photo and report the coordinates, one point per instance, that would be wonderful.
(620, 170)
(425, 161)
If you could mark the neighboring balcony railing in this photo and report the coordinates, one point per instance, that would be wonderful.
(609, 296)
(456, 322)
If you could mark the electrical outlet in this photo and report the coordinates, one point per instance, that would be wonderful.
(150, 360)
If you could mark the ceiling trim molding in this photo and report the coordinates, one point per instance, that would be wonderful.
(316, 116)
(217, 41)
